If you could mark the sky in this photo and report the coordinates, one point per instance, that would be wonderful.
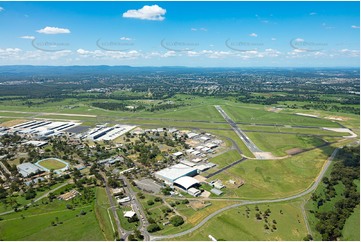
(196, 34)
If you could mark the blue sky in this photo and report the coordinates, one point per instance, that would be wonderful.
(208, 34)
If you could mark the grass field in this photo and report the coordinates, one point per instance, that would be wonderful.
(234, 224)
(275, 178)
(259, 115)
(280, 143)
(52, 164)
(351, 230)
(20, 199)
(226, 158)
(100, 208)
(36, 223)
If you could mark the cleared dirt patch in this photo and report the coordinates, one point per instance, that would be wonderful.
(338, 118)
(197, 205)
(293, 151)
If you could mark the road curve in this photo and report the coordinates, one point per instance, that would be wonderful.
(309, 190)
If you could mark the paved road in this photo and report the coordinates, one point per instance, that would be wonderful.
(226, 167)
(307, 191)
(37, 199)
(138, 210)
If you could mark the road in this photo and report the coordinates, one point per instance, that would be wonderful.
(138, 209)
(226, 167)
(307, 191)
(250, 145)
(37, 199)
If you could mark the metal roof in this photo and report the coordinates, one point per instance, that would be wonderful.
(186, 181)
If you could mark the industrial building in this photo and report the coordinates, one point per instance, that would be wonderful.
(109, 133)
(26, 169)
(186, 182)
(43, 129)
(172, 173)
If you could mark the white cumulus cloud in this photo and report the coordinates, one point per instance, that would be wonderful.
(355, 27)
(1, 9)
(253, 35)
(27, 37)
(53, 30)
(153, 12)
(125, 38)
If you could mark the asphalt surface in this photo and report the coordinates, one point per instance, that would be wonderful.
(250, 145)
(307, 191)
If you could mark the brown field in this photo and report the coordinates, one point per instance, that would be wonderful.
(13, 122)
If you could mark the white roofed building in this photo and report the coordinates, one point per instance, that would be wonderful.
(186, 182)
(172, 173)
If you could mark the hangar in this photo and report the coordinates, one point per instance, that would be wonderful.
(172, 173)
(186, 182)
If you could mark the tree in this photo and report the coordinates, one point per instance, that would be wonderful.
(30, 194)
(138, 234)
(176, 220)
(131, 237)
(150, 202)
(308, 237)
(153, 228)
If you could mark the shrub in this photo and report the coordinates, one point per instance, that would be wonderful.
(176, 220)
(153, 228)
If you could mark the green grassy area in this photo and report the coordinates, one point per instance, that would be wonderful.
(35, 223)
(226, 158)
(20, 198)
(265, 179)
(52, 164)
(124, 221)
(280, 143)
(260, 115)
(288, 129)
(101, 210)
(236, 224)
(351, 230)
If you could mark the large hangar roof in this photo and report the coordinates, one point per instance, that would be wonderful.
(186, 181)
(175, 171)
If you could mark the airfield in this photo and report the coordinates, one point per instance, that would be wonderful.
(279, 154)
